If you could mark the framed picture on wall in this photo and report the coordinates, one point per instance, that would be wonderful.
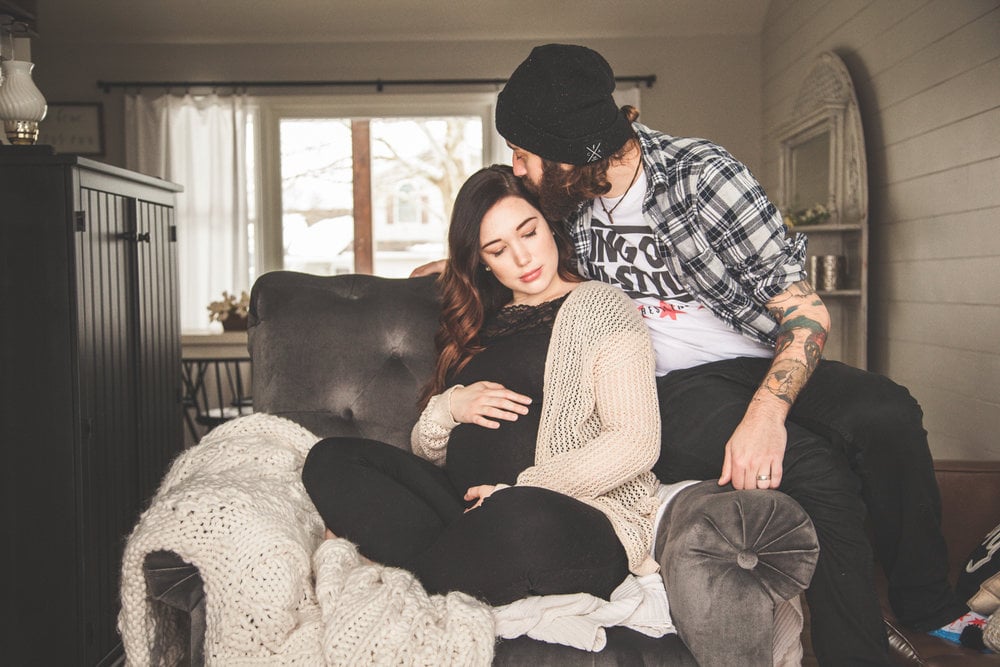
(74, 127)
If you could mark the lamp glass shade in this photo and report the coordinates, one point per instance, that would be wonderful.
(22, 105)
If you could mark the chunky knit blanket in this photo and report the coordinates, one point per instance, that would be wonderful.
(234, 506)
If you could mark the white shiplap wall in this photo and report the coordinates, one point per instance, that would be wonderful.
(927, 74)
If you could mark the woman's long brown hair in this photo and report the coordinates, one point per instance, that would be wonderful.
(469, 293)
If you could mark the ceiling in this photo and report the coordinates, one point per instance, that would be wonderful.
(323, 21)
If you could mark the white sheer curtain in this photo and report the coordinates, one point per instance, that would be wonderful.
(629, 95)
(199, 142)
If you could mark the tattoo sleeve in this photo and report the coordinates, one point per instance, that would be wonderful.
(801, 327)
(785, 379)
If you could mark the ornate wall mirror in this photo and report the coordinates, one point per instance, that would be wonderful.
(823, 192)
(823, 151)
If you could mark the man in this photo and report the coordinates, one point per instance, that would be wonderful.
(685, 229)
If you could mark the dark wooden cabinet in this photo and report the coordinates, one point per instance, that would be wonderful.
(90, 381)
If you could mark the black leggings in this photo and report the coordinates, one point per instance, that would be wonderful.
(402, 511)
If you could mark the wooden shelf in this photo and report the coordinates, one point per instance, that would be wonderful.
(24, 12)
(830, 229)
(839, 293)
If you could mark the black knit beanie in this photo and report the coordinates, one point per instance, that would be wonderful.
(558, 105)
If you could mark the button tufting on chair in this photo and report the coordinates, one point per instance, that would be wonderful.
(746, 559)
(363, 344)
(715, 542)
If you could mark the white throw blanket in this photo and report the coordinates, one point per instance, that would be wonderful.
(234, 506)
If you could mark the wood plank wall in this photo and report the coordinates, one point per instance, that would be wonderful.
(927, 74)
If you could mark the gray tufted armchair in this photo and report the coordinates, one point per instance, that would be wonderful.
(346, 355)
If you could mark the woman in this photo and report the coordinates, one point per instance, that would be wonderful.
(530, 472)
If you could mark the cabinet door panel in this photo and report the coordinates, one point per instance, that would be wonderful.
(159, 369)
(105, 292)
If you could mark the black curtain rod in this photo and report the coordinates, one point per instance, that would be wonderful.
(379, 84)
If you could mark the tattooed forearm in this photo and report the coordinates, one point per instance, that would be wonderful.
(790, 300)
(786, 379)
(803, 325)
(784, 340)
(812, 345)
(813, 348)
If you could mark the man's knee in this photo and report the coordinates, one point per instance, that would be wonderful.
(870, 401)
(821, 480)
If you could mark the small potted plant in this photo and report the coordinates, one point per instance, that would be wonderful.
(814, 215)
(230, 311)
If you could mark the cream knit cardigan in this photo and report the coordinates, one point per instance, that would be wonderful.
(234, 506)
(599, 431)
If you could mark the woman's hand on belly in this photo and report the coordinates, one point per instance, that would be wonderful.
(484, 402)
(479, 494)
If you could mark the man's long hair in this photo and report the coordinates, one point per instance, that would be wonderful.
(562, 190)
(469, 293)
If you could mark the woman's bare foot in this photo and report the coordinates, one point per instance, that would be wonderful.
(331, 536)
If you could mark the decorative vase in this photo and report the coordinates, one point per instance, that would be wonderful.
(234, 323)
(22, 105)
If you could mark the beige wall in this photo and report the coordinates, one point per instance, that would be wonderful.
(705, 86)
(928, 81)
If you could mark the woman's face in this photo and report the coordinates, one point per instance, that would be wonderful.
(515, 242)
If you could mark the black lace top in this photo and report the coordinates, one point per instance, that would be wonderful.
(516, 342)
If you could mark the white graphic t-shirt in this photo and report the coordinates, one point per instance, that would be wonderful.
(623, 253)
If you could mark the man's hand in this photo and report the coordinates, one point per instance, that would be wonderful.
(483, 402)
(430, 268)
(756, 450)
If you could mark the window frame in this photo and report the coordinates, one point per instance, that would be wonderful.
(268, 241)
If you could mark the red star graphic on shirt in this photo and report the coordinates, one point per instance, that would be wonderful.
(666, 310)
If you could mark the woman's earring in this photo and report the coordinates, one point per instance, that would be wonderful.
(487, 268)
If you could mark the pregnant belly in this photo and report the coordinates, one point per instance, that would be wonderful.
(478, 455)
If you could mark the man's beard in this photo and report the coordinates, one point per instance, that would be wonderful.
(559, 196)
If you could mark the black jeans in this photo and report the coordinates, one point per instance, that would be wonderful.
(402, 511)
(856, 447)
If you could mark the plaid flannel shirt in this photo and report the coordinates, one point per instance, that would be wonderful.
(719, 234)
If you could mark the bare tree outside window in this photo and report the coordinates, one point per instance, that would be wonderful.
(424, 160)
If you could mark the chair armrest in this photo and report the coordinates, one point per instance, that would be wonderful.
(172, 581)
(728, 558)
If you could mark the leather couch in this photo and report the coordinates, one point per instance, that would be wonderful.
(346, 355)
(970, 503)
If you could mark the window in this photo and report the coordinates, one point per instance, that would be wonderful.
(366, 185)
(409, 204)
(370, 185)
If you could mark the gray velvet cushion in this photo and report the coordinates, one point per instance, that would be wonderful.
(727, 558)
